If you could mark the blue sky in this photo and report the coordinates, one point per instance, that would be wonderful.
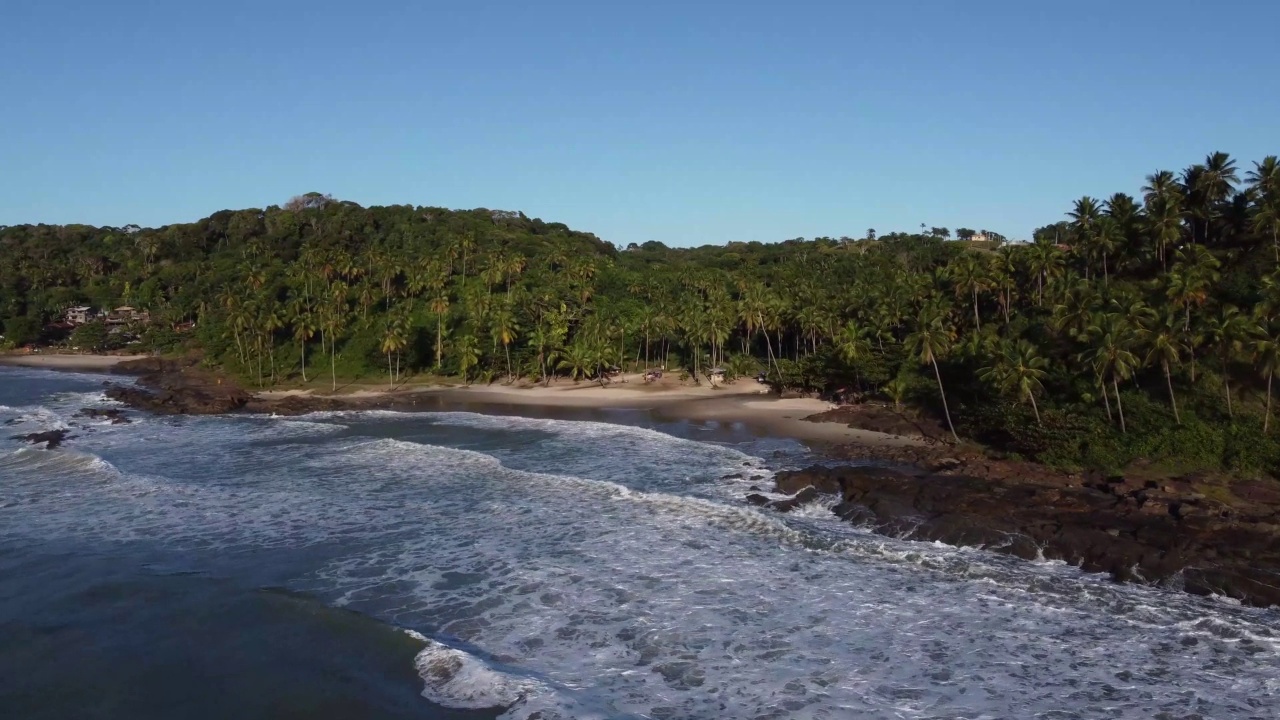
(685, 122)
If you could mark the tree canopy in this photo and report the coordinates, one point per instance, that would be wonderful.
(1135, 326)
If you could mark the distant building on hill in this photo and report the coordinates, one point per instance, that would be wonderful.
(79, 315)
(125, 315)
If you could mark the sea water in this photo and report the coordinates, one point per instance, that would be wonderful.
(460, 564)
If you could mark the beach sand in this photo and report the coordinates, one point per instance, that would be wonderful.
(744, 402)
(56, 361)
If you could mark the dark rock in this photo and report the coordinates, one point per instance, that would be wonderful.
(806, 495)
(176, 387)
(51, 438)
(944, 464)
(1146, 531)
(733, 476)
(116, 417)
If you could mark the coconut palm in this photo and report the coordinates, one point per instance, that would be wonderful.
(1228, 332)
(1019, 370)
(927, 343)
(505, 329)
(1266, 352)
(896, 389)
(969, 273)
(467, 350)
(1163, 339)
(394, 340)
(1110, 355)
(1044, 260)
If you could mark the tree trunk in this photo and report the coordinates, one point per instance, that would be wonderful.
(1106, 401)
(1119, 405)
(439, 341)
(945, 410)
(506, 350)
(1226, 385)
(1035, 409)
(333, 363)
(391, 378)
(1266, 422)
(977, 323)
(303, 344)
(1173, 401)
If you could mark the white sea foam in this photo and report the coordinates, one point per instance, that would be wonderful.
(636, 583)
(455, 678)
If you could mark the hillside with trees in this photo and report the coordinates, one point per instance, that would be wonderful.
(1139, 327)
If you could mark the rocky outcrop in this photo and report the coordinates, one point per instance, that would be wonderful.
(1146, 531)
(51, 438)
(115, 417)
(805, 495)
(176, 387)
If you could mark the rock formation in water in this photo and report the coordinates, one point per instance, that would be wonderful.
(1146, 531)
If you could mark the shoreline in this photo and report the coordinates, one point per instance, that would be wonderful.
(1219, 538)
(66, 361)
(738, 405)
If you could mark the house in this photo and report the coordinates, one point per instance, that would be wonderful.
(79, 315)
(125, 314)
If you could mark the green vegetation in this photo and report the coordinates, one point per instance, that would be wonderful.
(1132, 330)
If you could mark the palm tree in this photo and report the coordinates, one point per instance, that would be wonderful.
(970, 276)
(1188, 283)
(580, 359)
(1264, 184)
(1084, 216)
(1045, 261)
(505, 327)
(896, 389)
(1228, 332)
(1075, 312)
(1110, 355)
(1216, 183)
(1265, 176)
(1107, 236)
(1163, 341)
(852, 342)
(1267, 354)
(467, 349)
(304, 328)
(927, 343)
(1019, 370)
(394, 340)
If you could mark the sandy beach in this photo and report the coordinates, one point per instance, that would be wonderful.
(66, 361)
(743, 401)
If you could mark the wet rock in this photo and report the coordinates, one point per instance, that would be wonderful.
(1153, 532)
(116, 417)
(176, 387)
(945, 464)
(51, 438)
(807, 495)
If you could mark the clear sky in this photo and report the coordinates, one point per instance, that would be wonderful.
(686, 122)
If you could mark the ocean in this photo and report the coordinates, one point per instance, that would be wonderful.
(456, 564)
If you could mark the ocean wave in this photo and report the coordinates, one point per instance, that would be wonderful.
(458, 679)
(60, 461)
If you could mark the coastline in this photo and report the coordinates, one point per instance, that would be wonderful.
(66, 361)
(1202, 534)
(740, 404)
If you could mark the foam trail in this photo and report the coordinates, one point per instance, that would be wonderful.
(587, 570)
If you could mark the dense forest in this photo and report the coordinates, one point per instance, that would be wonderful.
(1137, 329)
